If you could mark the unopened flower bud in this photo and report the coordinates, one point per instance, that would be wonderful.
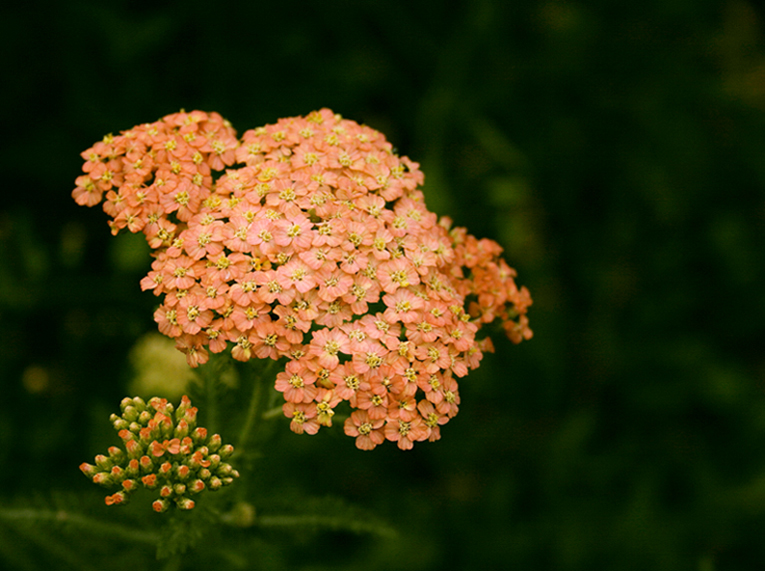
(183, 407)
(185, 503)
(190, 415)
(134, 449)
(183, 472)
(182, 429)
(130, 413)
(116, 454)
(88, 469)
(104, 462)
(226, 451)
(116, 499)
(196, 486)
(224, 470)
(102, 479)
(139, 404)
(187, 446)
(146, 464)
(150, 481)
(133, 468)
(199, 435)
(214, 443)
(129, 485)
(160, 505)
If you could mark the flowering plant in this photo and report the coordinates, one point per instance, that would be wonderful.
(314, 248)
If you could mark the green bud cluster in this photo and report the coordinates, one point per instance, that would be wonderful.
(164, 450)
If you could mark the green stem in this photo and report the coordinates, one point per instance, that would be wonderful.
(275, 412)
(254, 411)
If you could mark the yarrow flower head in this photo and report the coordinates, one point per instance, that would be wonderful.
(163, 449)
(314, 246)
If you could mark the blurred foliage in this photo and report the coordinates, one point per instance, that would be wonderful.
(614, 149)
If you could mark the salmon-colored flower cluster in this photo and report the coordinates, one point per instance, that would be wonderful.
(317, 248)
(163, 451)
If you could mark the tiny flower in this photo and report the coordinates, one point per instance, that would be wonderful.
(367, 430)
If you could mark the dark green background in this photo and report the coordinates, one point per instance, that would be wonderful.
(615, 149)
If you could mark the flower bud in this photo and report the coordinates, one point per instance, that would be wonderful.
(183, 472)
(130, 413)
(183, 407)
(139, 404)
(88, 469)
(150, 481)
(104, 462)
(134, 449)
(196, 486)
(187, 445)
(102, 479)
(226, 451)
(116, 499)
(199, 435)
(190, 416)
(129, 485)
(214, 443)
(146, 464)
(120, 423)
(181, 429)
(133, 469)
(185, 503)
(160, 505)
(116, 454)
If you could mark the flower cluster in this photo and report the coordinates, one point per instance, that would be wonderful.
(317, 248)
(163, 451)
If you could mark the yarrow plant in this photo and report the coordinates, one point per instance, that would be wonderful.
(163, 451)
(308, 242)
